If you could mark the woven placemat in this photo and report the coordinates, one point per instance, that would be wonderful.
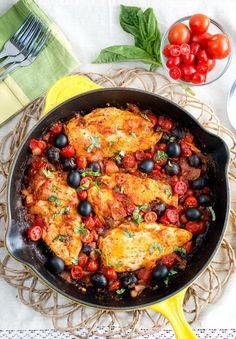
(82, 321)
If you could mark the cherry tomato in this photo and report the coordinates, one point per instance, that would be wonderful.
(199, 23)
(190, 201)
(153, 118)
(188, 246)
(180, 187)
(184, 49)
(145, 274)
(172, 215)
(218, 46)
(164, 123)
(195, 227)
(202, 67)
(35, 233)
(150, 216)
(86, 237)
(92, 265)
(129, 161)
(37, 146)
(194, 47)
(97, 221)
(198, 78)
(175, 50)
(179, 34)
(173, 61)
(114, 285)
(82, 259)
(175, 72)
(81, 161)
(39, 221)
(164, 220)
(201, 39)
(68, 151)
(139, 155)
(185, 150)
(162, 146)
(56, 128)
(76, 272)
(166, 50)
(84, 180)
(188, 59)
(82, 195)
(202, 55)
(187, 72)
(211, 64)
(94, 235)
(148, 155)
(109, 273)
(89, 222)
(169, 260)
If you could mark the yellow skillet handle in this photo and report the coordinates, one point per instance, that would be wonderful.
(172, 309)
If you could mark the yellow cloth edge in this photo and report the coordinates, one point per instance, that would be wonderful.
(16, 91)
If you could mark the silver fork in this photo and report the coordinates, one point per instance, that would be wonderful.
(34, 49)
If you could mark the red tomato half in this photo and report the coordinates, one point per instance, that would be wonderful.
(175, 50)
(89, 222)
(218, 46)
(188, 58)
(56, 128)
(153, 118)
(92, 265)
(172, 215)
(194, 47)
(173, 61)
(82, 195)
(190, 201)
(81, 161)
(187, 72)
(145, 274)
(76, 272)
(179, 34)
(202, 56)
(37, 146)
(109, 273)
(199, 23)
(35, 233)
(169, 260)
(166, 50)
(129, 161)
(150, 216)
(139, 155)
(86, 237)
(202, 67)
(97, 221)
(184, 49)
(175, 72)
(180, 187)
(114, 285)
(198, 78)
(82, 259)
(165, 124)
(195, 227)
(68, 151)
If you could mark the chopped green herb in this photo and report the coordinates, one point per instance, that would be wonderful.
(169, 191)
(62, 237)
(114, 265)
(96, 184)
(90, 173)
(161, 155)
(156, 246)
(95, 143)
(179, 249)
(144, 207)
(213, 215)
(54, 188)
(145, 116)
(47, 173)
(137, 217)
(75, 260)
(80, 229)
(128, 233)
(170, 274)
(53, 198)
(119, 189)
(134, 135)
(84, 186)
(121, 291)
(118, 159)
(172, 139)
(64, 210)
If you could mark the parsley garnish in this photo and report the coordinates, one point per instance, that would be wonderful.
(213, 215)
(114, 265)
(90, 173)
(137, 217)
(128, 233)
(75, 260)
(145, 116)
(134, 135)
(54, 188)
(53, 198)
(119, 189)
(47, 173)
(179, 249)
(161, 155)
(118, 159)
(170, 274)
(80, 229)
(95, 143)
(172, 139)
(62, 237)
(64, 210)
(169, 191)
(144, 207)
(121, 291)
(156, 246)
(96, 184)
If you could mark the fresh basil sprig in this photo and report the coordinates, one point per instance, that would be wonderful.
(144, 27)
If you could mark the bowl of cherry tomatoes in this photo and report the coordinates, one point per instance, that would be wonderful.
(196, 50)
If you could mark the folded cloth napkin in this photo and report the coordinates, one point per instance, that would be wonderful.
(27, 83)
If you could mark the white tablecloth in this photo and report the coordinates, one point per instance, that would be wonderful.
(91, 25)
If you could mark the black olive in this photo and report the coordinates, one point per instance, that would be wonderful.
(177, 132)
(194, 160)
(160, 273)
(173, 150)
(99, 280)
(204, 200)
(55, 264)
(165, 138)
(73, 179)
(198, 184)
(84, 208)
(193, 214)
(68, 164)
(146, 165)
(87, 249)
(128, 280)
(53, 155)
(172, 168)
(94, 166)
(61, 141)
(159, 208)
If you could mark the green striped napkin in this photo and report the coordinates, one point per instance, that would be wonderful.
(56, 59)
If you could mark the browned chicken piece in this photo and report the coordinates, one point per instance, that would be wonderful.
(130, 247)
(107, 131)
(110, 206)
(56, 202)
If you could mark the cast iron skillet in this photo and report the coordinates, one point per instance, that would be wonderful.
(34, 256)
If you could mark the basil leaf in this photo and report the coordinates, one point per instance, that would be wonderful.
(129, 19)
(145, 116)
(170, 274)
(128, 233)
(121, 291)
(179, 249)
(64, 210)
(90, 173)
(62, 237)
(80, 229)
(169, 191)
(156, 246)
(75, 260)
(118, 159)
(95, 143)
(137, 217)
(53, 198)
(84, 186)
(144, 207)
(47, 173)
(161, 155)
(114, 265)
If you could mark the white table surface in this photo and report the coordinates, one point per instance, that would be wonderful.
(91, 25)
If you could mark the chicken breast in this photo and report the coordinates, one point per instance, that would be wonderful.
(109, 130)
(56, 202)
(130, 247)
(110, 205)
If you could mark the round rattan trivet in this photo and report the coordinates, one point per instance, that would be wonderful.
(83, 322)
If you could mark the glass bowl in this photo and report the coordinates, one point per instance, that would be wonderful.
(221, 64)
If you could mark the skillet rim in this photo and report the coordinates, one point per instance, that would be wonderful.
(9, 207)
